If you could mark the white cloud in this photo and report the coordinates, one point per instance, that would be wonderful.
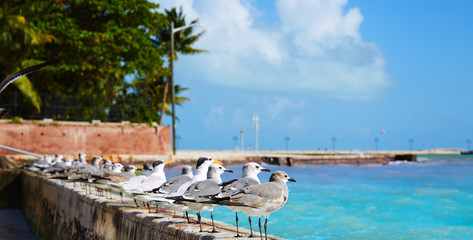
(314, 49)
(276, 107)
(215, 117)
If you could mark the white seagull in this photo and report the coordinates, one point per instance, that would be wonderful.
(196, 195)
(261, 199)
(249, 176)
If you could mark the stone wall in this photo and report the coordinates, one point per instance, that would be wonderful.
(57, 210)
(70, 138)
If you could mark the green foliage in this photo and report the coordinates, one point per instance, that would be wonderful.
(97, 43)
(16, 119)
(18, 39)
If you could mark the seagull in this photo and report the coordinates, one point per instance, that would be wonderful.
(107, 164)
(174, 183)
(154, 180)
(117, 177)
(11, 78)
(261, 199)
(195, 197)
(59, 167)
(202, 167)
(84, 171)
(43, 162)
(147, 169)
(117, 168)
(81, 160)
(108, 176)
(249, 176)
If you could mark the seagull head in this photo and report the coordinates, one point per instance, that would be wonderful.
(205, 161)
(159, 165)
(82, 157)
(187, 170)
(254, 167)
(108, 166)
(147, 167)
(117, 167)
(96, 160)
(130, 168)
(215, 170)
(280, 176)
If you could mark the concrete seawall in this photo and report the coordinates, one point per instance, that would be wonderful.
(57, 210)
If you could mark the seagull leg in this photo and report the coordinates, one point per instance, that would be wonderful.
(266, 228)
(149, 210)
(157, 208)
(213, 225)
(187, 216)
(135, 202)
(236, 219)
(259, 225)
(200, 223)
(251, 227)
(121, 196)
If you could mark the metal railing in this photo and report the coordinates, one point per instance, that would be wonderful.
(77, 108)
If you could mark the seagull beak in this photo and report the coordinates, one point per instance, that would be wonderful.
(291, 179)
(228, 170)
(166, 162)
(265, 170)
(217, 162)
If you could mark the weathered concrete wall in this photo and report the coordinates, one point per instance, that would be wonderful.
(10, 188)
(60, 211)
(70, 138)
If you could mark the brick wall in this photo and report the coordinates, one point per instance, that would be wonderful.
(69, 138)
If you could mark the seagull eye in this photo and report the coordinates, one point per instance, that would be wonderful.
(285, 176)
(257, 167)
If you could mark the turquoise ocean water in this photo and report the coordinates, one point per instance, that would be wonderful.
(432, 199)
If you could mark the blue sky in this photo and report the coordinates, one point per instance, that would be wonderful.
(313, 70)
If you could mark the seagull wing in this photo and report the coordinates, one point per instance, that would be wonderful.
(258, 196)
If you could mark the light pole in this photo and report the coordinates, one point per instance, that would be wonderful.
(286, 139)
(171, 81)
(235, 139)
(333, 143)
(255, 120)
(241, 138)
(376, 141)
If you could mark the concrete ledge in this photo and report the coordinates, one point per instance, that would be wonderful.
(57, 210)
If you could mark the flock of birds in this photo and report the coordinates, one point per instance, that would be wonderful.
(199, 192)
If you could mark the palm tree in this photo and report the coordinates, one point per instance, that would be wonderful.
(182, 43)
(155, 91)
(17, 40)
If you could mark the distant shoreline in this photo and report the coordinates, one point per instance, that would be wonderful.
(282, 158)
